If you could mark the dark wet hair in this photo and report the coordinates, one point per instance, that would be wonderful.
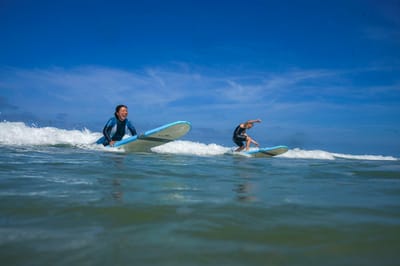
(119, 107)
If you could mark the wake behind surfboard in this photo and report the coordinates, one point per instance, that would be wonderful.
(153, 138)
(265, 152)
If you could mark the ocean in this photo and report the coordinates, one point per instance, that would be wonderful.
(66, 201)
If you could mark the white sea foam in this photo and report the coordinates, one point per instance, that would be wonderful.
(308, 154)
(324, 155)
(365, 157)
(19, 134)
(191, 148)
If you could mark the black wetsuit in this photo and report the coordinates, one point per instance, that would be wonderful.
(238, 136)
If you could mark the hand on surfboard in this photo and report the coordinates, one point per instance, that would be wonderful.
(112, 143)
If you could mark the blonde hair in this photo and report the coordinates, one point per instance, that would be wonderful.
(246, 124)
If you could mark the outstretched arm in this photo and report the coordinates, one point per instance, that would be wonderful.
(254, 121)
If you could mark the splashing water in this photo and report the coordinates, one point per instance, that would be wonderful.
(19, 134)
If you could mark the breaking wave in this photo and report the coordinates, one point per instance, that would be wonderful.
(19, 134)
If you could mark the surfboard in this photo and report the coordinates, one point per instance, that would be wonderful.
(266, 152)
(154, 137)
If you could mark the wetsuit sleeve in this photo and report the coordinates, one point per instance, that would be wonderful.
(131, 128)
(107, 129)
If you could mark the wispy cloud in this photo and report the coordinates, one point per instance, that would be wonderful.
(85, 91)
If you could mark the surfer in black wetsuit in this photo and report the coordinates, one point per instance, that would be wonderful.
(117, 126)
(240, 136)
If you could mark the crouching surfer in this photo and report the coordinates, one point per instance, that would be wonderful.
(240, 135)
(117, 126)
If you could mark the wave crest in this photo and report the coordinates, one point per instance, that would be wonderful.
(19, 134)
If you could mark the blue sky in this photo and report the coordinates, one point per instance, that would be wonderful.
(320, 74)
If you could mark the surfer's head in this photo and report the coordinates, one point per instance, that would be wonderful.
(248, 125)
(121, 112)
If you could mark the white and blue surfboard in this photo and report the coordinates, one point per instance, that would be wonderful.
(154, 137)
(266, 152)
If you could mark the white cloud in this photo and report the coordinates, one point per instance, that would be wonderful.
(157, 92)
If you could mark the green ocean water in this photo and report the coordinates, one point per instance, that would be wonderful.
(68, 205)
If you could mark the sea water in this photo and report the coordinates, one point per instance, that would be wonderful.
(67, 201)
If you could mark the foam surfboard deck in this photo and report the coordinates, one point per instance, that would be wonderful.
(266, 152)
(154, 137)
